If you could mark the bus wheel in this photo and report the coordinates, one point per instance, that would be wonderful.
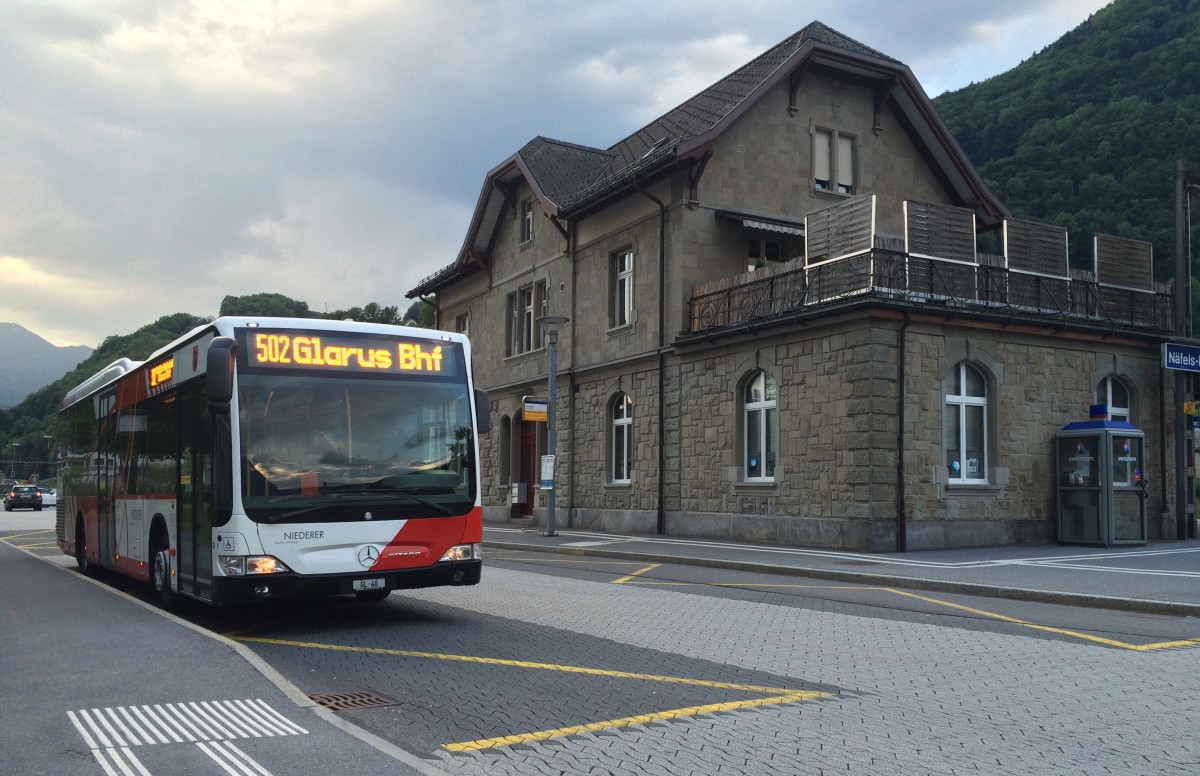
(81, 559)
(371, 595)
(160, 573)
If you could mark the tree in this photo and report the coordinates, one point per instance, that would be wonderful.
(422, 313)
(372, 313)
(273, 305)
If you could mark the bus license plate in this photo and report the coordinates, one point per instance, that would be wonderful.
(370, 584)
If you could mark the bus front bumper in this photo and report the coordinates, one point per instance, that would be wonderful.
(236, 590)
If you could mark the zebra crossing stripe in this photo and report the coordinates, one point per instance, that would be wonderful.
(120, 762)
(130, 726)
(232, 760)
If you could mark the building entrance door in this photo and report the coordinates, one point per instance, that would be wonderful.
(529, 467)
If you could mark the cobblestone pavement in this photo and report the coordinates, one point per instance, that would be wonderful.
(913, 698)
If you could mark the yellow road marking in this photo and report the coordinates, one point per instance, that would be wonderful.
(39, 532)
(937, 602)
(775, 695)
(496, 661)
(1048, 628)
(636, 574)
(640, 719)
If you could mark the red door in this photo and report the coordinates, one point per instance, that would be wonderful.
(529, 465)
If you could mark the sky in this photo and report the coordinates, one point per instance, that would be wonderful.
(157, 156)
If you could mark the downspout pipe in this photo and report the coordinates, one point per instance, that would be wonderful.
(572, 247)
(437, 311)
(661, 526)
(901, 512)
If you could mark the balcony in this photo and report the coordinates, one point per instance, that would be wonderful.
(786, 292)
(936, 268)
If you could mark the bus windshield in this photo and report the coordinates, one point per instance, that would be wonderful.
(310, 441)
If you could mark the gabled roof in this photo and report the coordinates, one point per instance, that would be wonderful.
(708, 109)
(571, 180)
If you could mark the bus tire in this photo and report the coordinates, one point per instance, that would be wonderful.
(81, 559)
(371, 595)
(160, 572)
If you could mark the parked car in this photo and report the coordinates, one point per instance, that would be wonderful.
(23, 497)
(49, 496)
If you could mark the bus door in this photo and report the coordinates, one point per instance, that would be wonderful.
(106, 483)
(106, 523)
(193, 557)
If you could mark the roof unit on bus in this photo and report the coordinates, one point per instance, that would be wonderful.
(106, 375)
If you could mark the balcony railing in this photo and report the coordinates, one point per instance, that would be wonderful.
(787, 291)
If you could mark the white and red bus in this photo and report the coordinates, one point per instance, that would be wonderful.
(261, 458)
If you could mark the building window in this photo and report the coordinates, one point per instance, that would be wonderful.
(523, 308)
(966, 425)
(526, 220)
(760, 251)
(621, 283)
(621, 452)
(833, 161)
(462, 324)
(759, 428)
(1113, 393)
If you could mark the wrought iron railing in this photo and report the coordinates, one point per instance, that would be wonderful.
(791, 290)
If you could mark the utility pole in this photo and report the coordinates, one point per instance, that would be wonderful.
(1184, 488)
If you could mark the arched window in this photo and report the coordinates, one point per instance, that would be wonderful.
(966, 424)
(1115, 394)
(620, 452)
(760, 428)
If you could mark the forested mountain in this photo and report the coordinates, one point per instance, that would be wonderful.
(1086, 133)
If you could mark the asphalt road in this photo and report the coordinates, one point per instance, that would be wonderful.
(571, 665)
(567, 665)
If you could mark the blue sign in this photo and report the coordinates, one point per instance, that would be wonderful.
(1182, 357)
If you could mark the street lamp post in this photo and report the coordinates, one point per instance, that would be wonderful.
(50, 467)
(551, 324)
(12, 472)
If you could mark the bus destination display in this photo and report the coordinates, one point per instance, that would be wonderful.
(268, 349)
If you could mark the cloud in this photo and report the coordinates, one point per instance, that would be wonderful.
(158, 157)
(225, 46)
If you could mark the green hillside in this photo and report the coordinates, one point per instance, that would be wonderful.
(1085, 134)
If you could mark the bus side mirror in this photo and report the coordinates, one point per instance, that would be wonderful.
(219, 388)
(483, 412)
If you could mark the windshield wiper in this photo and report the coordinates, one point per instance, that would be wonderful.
(362, 496)
(445, 510)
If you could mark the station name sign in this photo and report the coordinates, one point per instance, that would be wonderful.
(1181, 357)
(325, 351)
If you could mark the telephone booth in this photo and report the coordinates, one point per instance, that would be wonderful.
(1101, 483)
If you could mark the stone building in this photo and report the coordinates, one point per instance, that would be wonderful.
(797, 315)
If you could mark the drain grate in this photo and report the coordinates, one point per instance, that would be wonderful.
(349, 701)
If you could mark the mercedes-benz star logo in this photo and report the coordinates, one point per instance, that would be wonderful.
(368, 555)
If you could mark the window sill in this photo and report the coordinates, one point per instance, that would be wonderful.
(972, 489)
(528, 355)
(830, 194)
(618, 331)
(756, 487)
(618, 487)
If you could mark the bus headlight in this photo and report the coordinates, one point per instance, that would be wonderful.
(463, 552)
(244, 565)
